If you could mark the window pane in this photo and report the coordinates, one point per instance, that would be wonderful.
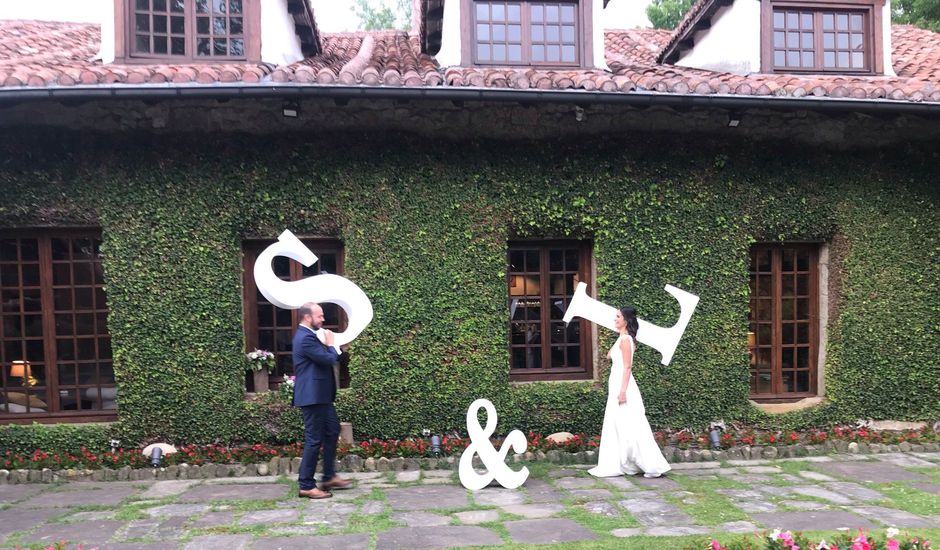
(159, 25)
(538, 33)
(856, 41)
(499, 33)
(828, 21)
(553, 53)
(551, 14)
(807, 41)
(567, 34)
(793, 21)
(793, 59)
(202, 25)
(843, 40)
(538, 53)
(843, 60)
(159, 5)
(142, 22)
(499, 52)
(842, 22)
(551, 34)
(858, 60)
(515, 13)
(498, 12)
(483, 11)
(856, 21)
(779, 20)
(237, 47)
(177, 6)
(483, 32)
(178, 46)
(221, 46)
(515, 53)
(829, 40)
(142, 4)
(515, 33)
(177, 25)
(787, 332)
(806, 20)
(793, 40)
(568, 54)
(808, 59)
(538, 14)
(219, 25)
(202, 46)
(202, 6)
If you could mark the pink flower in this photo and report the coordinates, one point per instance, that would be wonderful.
(892, 544)
(715, 545)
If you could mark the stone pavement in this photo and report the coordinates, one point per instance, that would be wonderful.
(429, 509)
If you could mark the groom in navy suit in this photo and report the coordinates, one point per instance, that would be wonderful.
(314, 392)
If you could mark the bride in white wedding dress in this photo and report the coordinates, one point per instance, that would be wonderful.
(627, 442)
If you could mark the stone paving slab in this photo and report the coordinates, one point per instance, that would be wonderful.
(620, 483)
(761, 470)
(214, 519)
(497, 497)
(163, 489)
(540, 491)
(219, 542)
(652, 511)
(13, 493)
(475, 517)
(437, 473)
(819, 492)
(427, 497)
(207, 493)
(627, 532)
(547, 531)
(590, 493)
(904, 460)
(815, 476)
(574, 482)
(327, 542)
(871, 471)
(656, 483)
(855, 491)
(267, 517)
(804, 504)
(601, 508)
(676, 530)
(408, 476)
(562, 472)
(742, 494)
(177, 510)
(737, 527)
(679, 466)
(134, 546)
(755, 506)
(813, 521)
(242, 480)
(927, 487)
(534, 511)
(89, 533)
(420, 519)
(894, 518)
(15, 519)
(445, 536)
(70, 497)
(372, 507)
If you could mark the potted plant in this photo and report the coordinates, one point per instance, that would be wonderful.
(260, 362)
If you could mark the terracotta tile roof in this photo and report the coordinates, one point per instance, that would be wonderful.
(36, 54)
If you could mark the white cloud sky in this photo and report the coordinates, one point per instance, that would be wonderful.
(332, 15)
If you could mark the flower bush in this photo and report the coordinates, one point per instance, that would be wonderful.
(415, 447)
(785, 540)
(260, 360)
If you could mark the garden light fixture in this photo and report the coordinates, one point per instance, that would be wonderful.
(155, 456)
(436, 445)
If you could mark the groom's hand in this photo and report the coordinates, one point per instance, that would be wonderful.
(328, 337)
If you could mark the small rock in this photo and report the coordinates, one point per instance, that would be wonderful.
(560, 437)
(263, 469)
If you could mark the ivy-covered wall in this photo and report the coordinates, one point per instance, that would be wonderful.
(425, 228)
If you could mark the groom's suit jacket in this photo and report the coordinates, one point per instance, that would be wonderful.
(314, 382)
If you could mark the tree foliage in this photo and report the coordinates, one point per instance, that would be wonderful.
(666, 14)
(923, 13)
(388, 14)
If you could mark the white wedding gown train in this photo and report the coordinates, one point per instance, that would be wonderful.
(627, 442)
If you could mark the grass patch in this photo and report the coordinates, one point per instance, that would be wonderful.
(242, 505)
(601, 525)
(909, 499)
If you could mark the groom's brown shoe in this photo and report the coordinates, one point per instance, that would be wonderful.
(313, 493)
(336, 483)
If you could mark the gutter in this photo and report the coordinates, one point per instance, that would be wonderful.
(639, 99)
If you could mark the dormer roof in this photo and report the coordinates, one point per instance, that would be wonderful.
(697, 18)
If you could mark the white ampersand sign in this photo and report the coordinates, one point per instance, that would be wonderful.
(493, 460)
(321, 288)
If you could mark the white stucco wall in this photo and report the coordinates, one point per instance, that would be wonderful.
(732, 44)
(279, 42)
(886, 38)
(106, 52)
(449, 56)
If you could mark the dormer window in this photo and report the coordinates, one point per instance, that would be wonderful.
(527, 32)
(826, 38)
(189, 30)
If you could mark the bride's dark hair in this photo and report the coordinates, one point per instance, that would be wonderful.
(629, 317)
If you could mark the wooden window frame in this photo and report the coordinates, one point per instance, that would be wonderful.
(545, 372)
(124, 37)
(777, 394)
(250, 249)
(48, 311)
(584, 41)
(873, 32)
